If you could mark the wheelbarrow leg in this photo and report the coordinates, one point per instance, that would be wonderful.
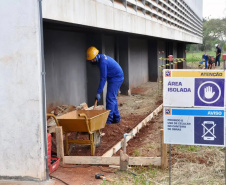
(92, 145)
(97, 138)
(72, 145)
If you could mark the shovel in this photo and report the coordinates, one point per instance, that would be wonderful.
(95, 104)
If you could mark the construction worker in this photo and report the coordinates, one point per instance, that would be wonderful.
(205, 57)
(111, 72)
(218, 55)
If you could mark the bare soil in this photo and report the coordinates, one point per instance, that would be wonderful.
(147, 142)
(190, 164)
(133, 110)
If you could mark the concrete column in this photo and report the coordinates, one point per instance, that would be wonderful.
(138, 63)
(123, 59)
(181, 54)
(161, 54)
(109, 43)
(169, 51)
(153, 60)
(175, 50)
(175, 53)
(22, 155)
(93, 74)
(65, 62)
(184, 54)
(108, 48)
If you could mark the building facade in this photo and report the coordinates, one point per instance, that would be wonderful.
(134, 32)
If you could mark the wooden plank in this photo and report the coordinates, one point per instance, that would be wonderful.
(133, 132)
(114, 149)
(60, 143)
(164, 161)
(99, 160)
(91, 160)
(144, 161)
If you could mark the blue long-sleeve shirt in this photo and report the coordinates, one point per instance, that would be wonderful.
(110, 71)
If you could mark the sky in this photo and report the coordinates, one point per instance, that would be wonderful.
(213, 9)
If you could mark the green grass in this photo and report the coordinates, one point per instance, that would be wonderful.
(185, 148)
(136, 153)
(135, 176)
(197, 56)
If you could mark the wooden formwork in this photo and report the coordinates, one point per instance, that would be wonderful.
(107, 159)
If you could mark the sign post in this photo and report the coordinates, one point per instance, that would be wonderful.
(224, 58)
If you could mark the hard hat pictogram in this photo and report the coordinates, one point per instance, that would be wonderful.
(167, 111)
(168, 74)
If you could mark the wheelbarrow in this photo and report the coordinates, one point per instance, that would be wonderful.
(89, 121)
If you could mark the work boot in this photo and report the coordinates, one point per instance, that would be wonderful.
(108, 123)
(115, 121)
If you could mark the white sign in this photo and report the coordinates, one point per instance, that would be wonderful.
(194, 88)
(194, 126)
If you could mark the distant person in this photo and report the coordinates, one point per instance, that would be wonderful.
(205, 57)
(111, 72)
(218, 55)
(211, 62)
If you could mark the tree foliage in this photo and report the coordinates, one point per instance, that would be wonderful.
(214, 32)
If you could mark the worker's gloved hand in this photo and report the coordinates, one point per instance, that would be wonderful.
(98, 97)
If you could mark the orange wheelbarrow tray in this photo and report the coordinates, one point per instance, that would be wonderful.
(90, 121)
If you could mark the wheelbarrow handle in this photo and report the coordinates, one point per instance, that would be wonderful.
(82, 115)
(86, 120)
(54, 117)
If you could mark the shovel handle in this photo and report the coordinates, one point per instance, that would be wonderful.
(108, 179)
(95, 104)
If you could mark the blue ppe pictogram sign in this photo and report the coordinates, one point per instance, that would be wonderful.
(209, 92)
(209, 130)
(194, 126)
(194, 88)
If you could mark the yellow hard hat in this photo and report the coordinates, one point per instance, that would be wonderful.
(91, 53)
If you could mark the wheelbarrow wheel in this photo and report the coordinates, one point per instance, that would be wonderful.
(97, 138)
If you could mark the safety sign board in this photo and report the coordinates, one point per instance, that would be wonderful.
(194, 126)
(194, 88)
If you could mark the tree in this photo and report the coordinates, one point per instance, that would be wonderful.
(214, 31)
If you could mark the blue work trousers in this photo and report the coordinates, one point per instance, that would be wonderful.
(111, 102)
(206, 64)
(218, 60)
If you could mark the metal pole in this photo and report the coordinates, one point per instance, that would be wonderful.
(158, 81)
(43, 90)
(169, 164)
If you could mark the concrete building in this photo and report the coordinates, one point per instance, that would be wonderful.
(134, 32)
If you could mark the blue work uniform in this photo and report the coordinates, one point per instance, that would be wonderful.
(111, 72)
(218, 57)
(205, 57)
